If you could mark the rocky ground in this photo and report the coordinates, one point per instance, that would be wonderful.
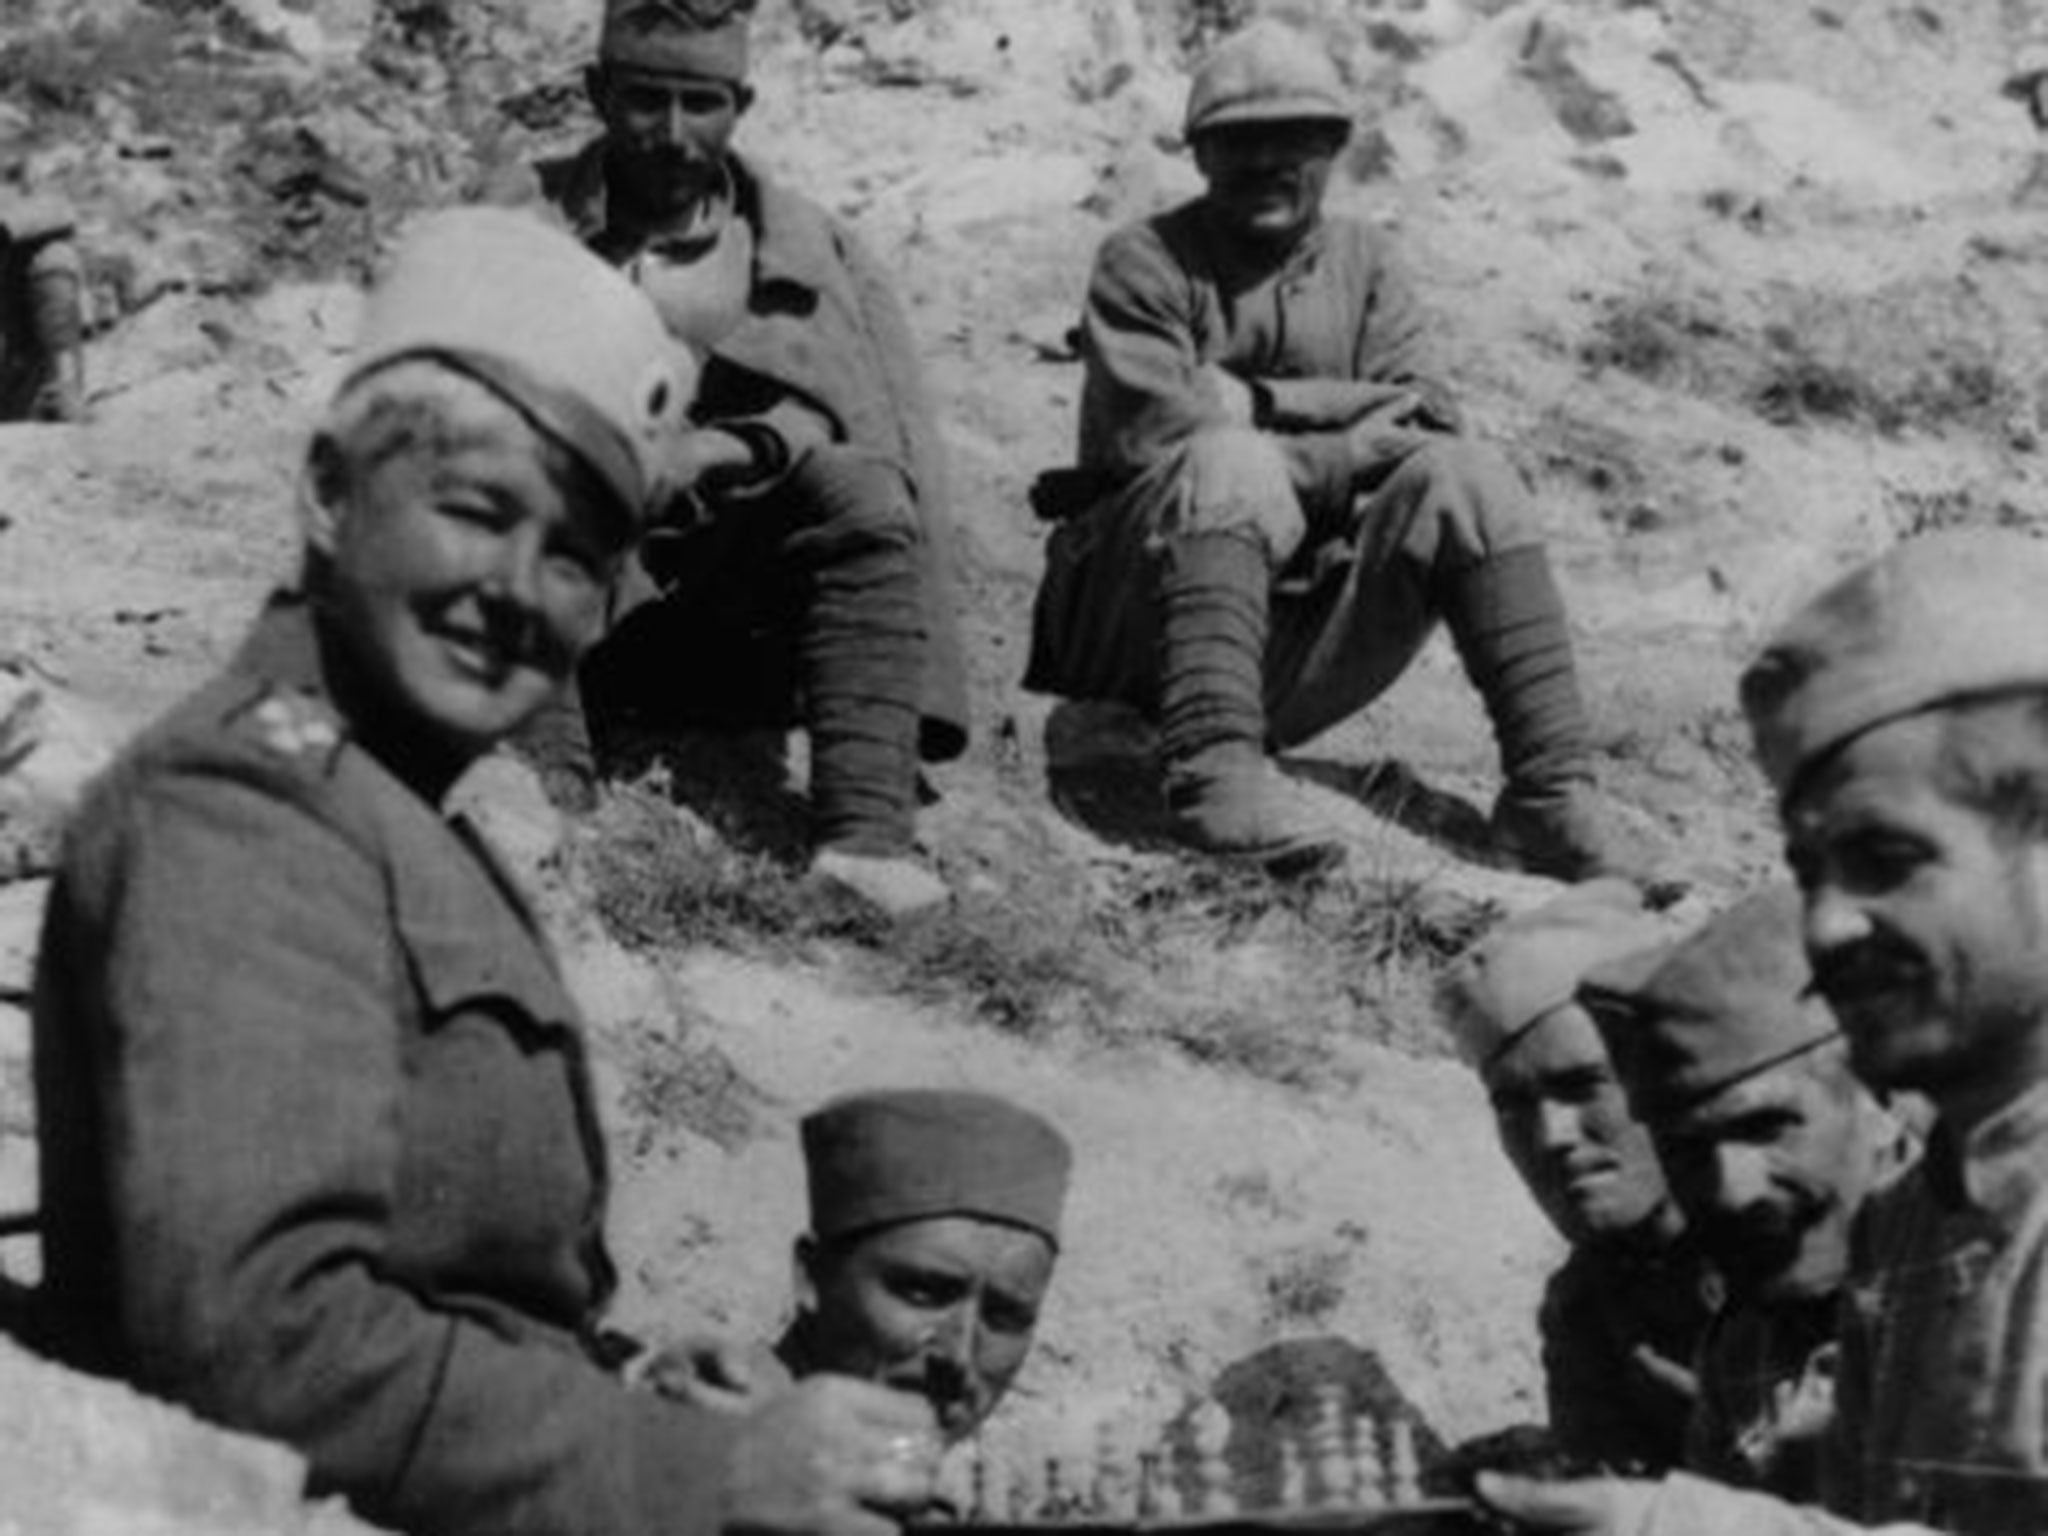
(1749, 288)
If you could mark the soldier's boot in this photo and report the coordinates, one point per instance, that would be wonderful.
(1224, 796)
(862, 655)
(1508, 621)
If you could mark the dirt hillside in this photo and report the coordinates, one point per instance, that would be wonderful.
(1748, 288)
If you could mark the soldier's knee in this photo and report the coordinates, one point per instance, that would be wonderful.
(1236, 480)
(854, 494)
(1478, 495)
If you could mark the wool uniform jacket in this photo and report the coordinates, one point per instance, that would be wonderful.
(319, 1154)
(823, 330)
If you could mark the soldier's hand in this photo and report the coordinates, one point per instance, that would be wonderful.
(707, 455)
(715, 1372)
(1666, 1372)
(831, 1456)
(1233, 393)
(1595, 1506)
(1386, 435)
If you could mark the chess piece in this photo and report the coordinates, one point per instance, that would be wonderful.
(1020, 1499)
(980, 1506)
(1404, 1470)
(1209, 1435)
(1368, 1467)
(1114, 1495)
(954, 1485)
(1290, 1480)
(1329, 1464)
(1151, 1492)
(1055, 1505)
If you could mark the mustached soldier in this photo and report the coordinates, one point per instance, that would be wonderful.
(1279, 500)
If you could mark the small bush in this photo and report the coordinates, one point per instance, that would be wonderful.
(1304, 1286)
(1008, 968)
(1894, 360)
(1653, 337)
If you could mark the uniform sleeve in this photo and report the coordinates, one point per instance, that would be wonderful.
(1144, 390)
(1692, 1506)
(902, 369)
(1709, 1434)
(1393, 345)
(1576, 1382)
(943, 705)
(250, 1091)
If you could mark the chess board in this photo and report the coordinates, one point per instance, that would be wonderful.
(1424, 1517)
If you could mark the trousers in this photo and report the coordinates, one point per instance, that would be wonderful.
(1356, 588)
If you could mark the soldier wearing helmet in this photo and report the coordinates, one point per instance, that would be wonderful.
(1277, 500)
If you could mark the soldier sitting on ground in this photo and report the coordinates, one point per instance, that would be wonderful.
(1276, 498)
(320, 1158)
(1622, 1320)
(1770, 1145)
(42, 312)
(812, 579)
(935, 1220)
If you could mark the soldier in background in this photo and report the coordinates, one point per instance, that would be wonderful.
(1622, 1320)
(812, 579)
(1770, 1145)
(42, 311)
(1277, 498)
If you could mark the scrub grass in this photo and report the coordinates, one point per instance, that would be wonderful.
(1907, 357)
(1217, 965)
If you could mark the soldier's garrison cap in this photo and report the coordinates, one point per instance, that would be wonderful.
(705, 38)
(880, 1158)
(1731, 1000)
(1531, 964)
(1936, 620)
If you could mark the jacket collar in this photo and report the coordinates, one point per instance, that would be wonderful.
(287, 650)
(1999, 1167)
(282, 649)
(791, 243)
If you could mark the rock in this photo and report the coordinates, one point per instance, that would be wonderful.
(81, 1454)
(277, 25)
(50, 746)
(21, 921)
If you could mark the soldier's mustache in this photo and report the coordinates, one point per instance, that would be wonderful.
(1762, 1240)
(1865, 967)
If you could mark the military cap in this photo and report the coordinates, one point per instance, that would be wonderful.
(705, 38)
(1938, 619)
(906, 1154)
(1503, 986)
(1268, 73)
(1733, 999)
(520, 306)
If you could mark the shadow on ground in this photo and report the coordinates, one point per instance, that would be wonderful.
(1102, 773)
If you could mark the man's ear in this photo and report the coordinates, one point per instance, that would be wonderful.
(323, 495)
(804, 1261)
